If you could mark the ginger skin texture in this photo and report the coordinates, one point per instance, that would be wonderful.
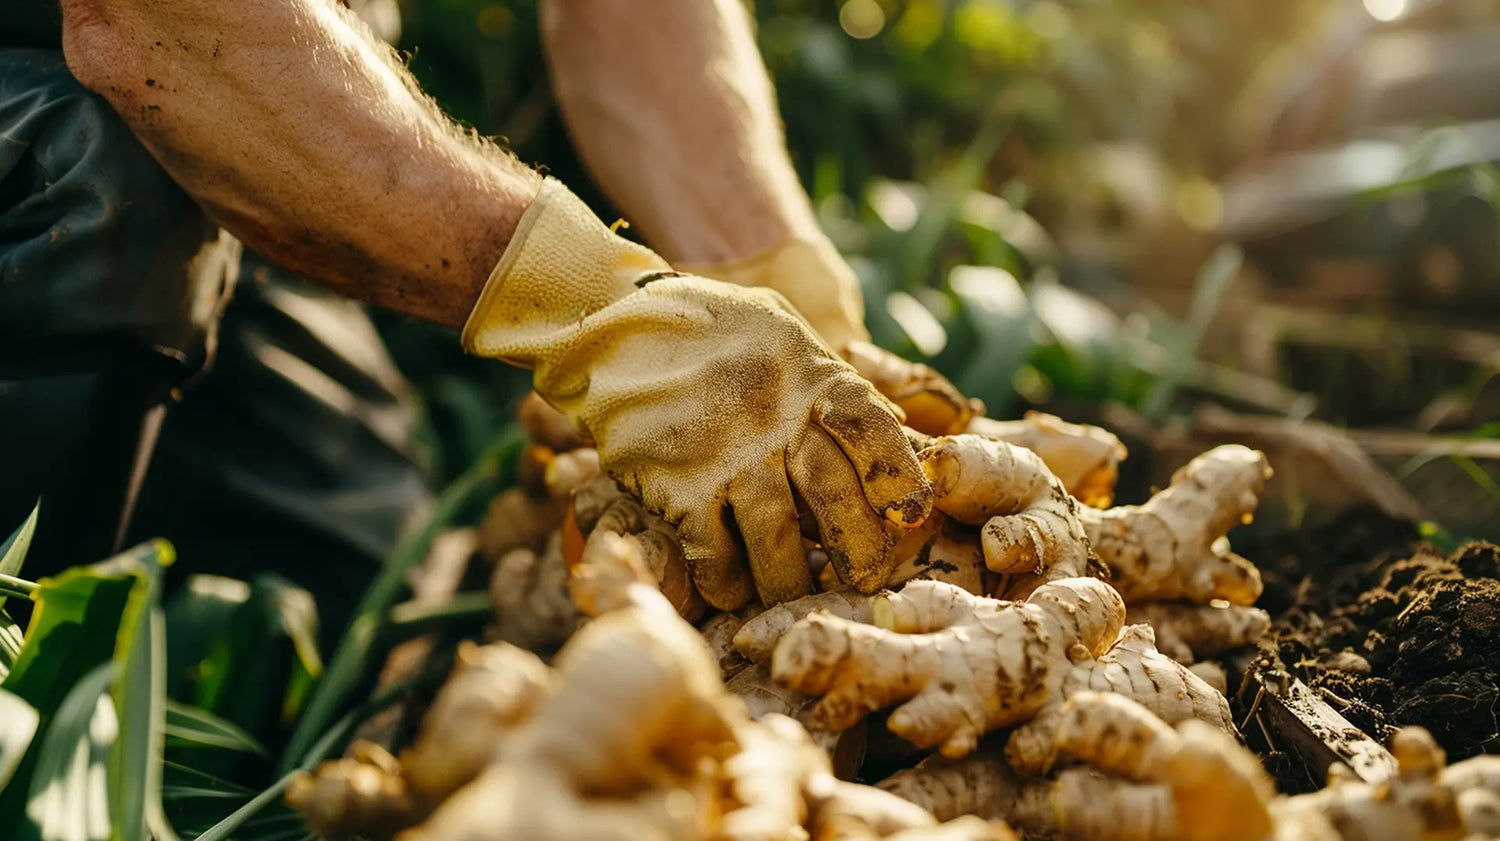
(1145, 781)
(931, 403)
(630, 734)
(1085, 458)
(1029, 522)
(1189, 633)
(1173, 547)
(959, 666)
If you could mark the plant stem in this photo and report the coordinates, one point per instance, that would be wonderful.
(13, 586)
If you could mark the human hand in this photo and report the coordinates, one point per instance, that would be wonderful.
(715, 405)
(815, 278)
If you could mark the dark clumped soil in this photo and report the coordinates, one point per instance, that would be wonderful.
(1389, 630)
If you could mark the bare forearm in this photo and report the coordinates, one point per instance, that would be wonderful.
(306, 138)
(671, 108)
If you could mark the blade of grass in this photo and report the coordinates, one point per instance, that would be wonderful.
(410, 619)
(139, 691)
(13, 550)
(919, 252)
(1214, 279)
(190, 726)
(325, 745)
(223, 829)
(353, 657)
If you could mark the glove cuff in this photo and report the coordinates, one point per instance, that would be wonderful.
(813, 276)
(562, 264)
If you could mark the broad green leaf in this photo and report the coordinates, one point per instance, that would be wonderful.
(85, 619)
(190, 726)
(356, 653)
(198, 616)
(68, 797)
(263, 652)
(73, 630)
(18, 723)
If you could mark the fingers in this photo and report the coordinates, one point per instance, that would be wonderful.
(715, 560)
(872, 441)
(855, 539)
(766, 516)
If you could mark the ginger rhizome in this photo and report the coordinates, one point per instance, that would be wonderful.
(1173, 547)
(643, 727)
(1029, 523)
(1189, 633)
(931, 403)
(1086, 459)
(957, 666)
(1141, 779)
(629, 734)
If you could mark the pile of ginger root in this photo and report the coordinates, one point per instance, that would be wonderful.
(1035, 653)
(628, 735)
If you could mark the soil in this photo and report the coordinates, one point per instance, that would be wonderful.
(1388, 629)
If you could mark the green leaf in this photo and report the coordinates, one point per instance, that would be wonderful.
(924, 241)
(90, 621)
(1214, 279)
(18, 723)
(190, 726)
(68, 797)
(13, 550)
(140, 694)
(198, 616)
(73, 631)
(11, 640)
(414, 618)
(223, 829)
(1084, 356)
(262, 653)
(998, 334)
(195, 800)
(356, 652)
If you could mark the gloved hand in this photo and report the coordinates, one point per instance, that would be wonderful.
(717, 406)
(819, 283)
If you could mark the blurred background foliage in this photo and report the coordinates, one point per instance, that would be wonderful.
(1116, 210)
(933, 135)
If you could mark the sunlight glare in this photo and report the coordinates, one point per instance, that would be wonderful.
(1385, 10)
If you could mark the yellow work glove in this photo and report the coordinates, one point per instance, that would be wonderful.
(813, 276)
(819, 283)
(715, 405)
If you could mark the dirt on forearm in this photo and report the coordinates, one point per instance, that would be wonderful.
(1389, 630)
